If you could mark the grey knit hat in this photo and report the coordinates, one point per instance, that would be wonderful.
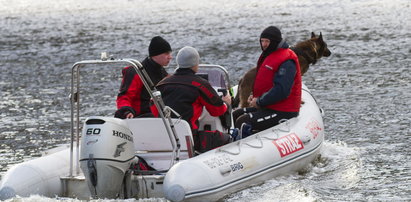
(187, 57)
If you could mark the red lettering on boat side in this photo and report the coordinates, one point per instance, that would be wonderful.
(288, 144)
(314, 128)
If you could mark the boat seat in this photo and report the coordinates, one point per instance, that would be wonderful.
(217, 80)
(152, 143)
(208, 122)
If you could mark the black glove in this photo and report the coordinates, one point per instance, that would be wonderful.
(122, 112)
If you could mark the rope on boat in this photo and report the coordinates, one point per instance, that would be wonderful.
(275, 130)
(232, 153)
(258, 137)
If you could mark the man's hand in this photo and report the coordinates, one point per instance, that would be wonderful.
(129, 115)
(227, 99)
(253, 102)
(125, 112)
(250, 98)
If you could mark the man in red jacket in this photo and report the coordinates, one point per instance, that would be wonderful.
(277, 86)
(133, 99)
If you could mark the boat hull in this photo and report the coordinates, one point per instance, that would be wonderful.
(283, 149)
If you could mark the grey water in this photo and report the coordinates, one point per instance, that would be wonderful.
(364, 87)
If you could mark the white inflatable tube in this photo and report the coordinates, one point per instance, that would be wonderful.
(38, 176)
(283, 149)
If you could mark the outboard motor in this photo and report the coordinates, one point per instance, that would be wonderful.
(107, 150)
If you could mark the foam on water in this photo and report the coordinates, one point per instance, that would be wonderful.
(337, 168)
(36, 198)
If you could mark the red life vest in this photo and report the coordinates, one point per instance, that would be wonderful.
(266, 73)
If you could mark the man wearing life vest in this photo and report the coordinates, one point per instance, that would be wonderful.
(188, 94)
(276, 92)
(133, 99)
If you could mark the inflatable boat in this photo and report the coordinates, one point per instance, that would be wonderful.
(105, 153)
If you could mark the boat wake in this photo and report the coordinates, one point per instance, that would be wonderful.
(336, 168)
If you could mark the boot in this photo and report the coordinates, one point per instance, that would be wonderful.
(235, 134)
(246, 130)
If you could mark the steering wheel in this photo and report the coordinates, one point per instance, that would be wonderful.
(226, 117)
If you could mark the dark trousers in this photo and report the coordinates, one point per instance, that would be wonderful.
(260, 119)
(206, 140)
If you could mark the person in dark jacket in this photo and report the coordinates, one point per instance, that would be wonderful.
(187, 94)
(133, 99)
(276, 92)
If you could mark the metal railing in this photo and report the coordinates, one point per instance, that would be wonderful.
(220, 68)
(75, 106)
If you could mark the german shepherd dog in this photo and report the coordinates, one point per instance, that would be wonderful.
(308, 52)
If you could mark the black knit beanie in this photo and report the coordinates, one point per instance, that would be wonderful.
(157, 46)
(274, 34)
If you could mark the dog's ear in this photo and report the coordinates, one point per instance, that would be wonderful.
(312, 35)
(321, 37)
